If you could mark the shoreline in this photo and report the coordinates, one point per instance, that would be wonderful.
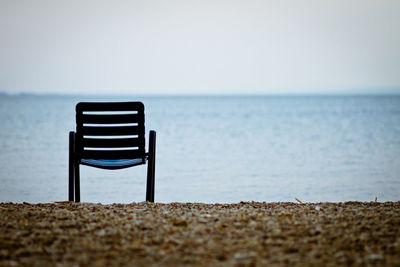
(174, 234)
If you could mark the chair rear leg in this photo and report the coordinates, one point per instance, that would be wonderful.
(151, 167)
(71, 164)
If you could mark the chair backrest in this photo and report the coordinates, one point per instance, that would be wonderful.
(110, 130)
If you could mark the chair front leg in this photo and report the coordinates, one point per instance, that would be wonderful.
(151, 167)
(71, 166)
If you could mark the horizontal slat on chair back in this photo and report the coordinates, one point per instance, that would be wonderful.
(111, 142)
(110, 119)
(105, 131)
(110, 106)
(111, 154)
(110, 130)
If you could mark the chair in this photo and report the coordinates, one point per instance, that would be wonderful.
(110, 136)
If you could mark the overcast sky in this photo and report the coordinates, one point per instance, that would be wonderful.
(199, 47)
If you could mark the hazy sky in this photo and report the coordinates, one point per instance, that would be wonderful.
(200, 46)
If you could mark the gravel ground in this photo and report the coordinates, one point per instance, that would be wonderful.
(176, 234)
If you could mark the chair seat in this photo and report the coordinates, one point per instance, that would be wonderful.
(112, 163)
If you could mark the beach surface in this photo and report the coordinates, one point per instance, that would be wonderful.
(186, 234)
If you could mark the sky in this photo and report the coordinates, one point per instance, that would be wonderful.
(199, 47)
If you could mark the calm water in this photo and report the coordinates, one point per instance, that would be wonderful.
(215, 149)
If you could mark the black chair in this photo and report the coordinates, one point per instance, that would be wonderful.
(110, 136)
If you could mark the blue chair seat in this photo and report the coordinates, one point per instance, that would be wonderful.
(112, 162)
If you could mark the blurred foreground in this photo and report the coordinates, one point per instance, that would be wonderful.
(247, 233)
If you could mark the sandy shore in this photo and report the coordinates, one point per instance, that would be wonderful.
(244, 234)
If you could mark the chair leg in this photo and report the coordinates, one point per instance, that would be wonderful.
(77, 184)
(71, 163)
(151, 167)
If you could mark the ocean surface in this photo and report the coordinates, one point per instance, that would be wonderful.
(215, 149)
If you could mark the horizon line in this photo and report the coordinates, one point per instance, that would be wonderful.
(350, 92)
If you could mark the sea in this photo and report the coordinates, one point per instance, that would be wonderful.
(214, 149)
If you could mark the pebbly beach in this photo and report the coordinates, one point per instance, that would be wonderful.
(195, 234)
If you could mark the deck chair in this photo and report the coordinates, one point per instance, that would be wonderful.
(110, 136)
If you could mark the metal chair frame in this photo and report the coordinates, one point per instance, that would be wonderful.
(110, 136)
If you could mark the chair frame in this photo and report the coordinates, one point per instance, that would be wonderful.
(78, 141)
